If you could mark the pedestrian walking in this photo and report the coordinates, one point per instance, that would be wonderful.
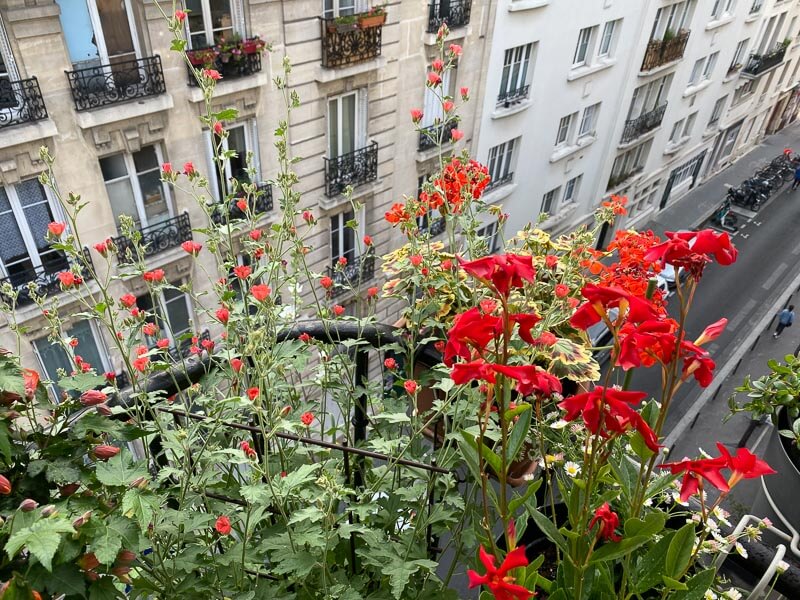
(796, 181)
(785, 319)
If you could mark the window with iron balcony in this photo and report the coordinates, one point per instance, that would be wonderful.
(350, 37)
(454, 13)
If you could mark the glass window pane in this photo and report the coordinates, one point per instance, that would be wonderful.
(221, 20)
(87, 345)
(237, 142)
(333, 128)
(120, 194)
(145, 159)
(37, 210)
(348, 143)
(155, 203)
(12, 247)
(113, 167)
(177, 312)
(53, 358)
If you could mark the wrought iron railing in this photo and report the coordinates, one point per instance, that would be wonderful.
(102, 85)
(621, 177)
(360, 269)
(353, 168)
(510, 97)
(661, 52)
(261, 204)
(230, 67)
(760, 63)
(344, 45)
(21, 102)
(455, 13)
(429, 137)
(45, 278)
(648, 121)
(155, 238)
(496, 183)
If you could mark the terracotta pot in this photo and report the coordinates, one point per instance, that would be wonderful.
(366, 21)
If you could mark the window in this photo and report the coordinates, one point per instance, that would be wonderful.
(687, 170)
(722, 8)
(345, 125)
(343, 237)
(629, 163)
(671, 19)
(53, 357)
(432, 111)
(489, 233)
(703, 67)
(171, 310)
(589, 120)
(549, 201)
(757, 4)
(25, 212)
(338, 8)
(710, 64)
(675, 135)
(515, 72)
(210, 20)
(743, 91)
(719, 105)
(739, 55)
(571, 190)
(696, 71)
(134, 187)
(100, 32)
(241, 139)
(648, 97)
(563, 129)
(500, 162)
(607, 38)
(582, 48)
(690, 120)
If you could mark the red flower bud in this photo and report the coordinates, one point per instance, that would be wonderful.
(56, 229)
(93, 397)
(105, 451)
(5, 486)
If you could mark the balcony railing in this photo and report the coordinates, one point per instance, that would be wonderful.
(661, 52)
(344, 45)
(21, 102)
(228, 65)
(511, 97)
(761, 63)
(622, 177)
(360, 269)
(455, 13)
(637, 127)
(429, 136)
(102, 85)
(353, 168)
(433, 226)
(496, 183)
(156, 238)
(757, 4)
(262, 203)
(45, 278)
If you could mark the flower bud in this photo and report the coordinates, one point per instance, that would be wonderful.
(88, 561)
(5, 486)
(28, 505)
(125, 557)
(68, 489)
(93, 397)
(105, 451)
(81, 521)
(104, 410)
(49, 511)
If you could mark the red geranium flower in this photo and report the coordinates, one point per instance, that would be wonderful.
(693, 470)
(242, 271)
(608, 520)
(191, 247)
(498, 580)
(326, 282)
(501, 272)
(411, 386)
(68, 279)
(252, 393)
(397, 213)
(140, 364)
(307, 418)
(471, 329)
(390, 363)
(745, 465)
(531, 380)
(154, 275)
(645, 343)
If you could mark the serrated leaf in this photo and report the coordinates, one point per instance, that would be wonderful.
(140, 506)
(110, 536)
(40, 539)
(104, 589)
(81, 382)
(11, 380)
(572, 360)
(228, 114)
(120, 470)
(299, 564)
(65, 579)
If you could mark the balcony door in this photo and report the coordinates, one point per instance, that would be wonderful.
(25, 212)
(211, 21)
(432, 111)
(345, 125)
(241, 139)
(99, 31)
(648, 97)
(8, 73)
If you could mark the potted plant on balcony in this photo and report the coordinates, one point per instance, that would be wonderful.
(343, 24)
(253, 45)
(230, 49)
(374, 17)
(203, 57)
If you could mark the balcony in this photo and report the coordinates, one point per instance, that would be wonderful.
(262, 203)
(103, 85)
(667, 50)
(44, 279)
(455, 13)
(761, 63)
(21, 102)
(232, 62)
(500, 181)
(635, 128)
(361, 269)
(353, 169)
(431, 136)
(511, 97)
(155, 238)
(620, 178)
(346, 44)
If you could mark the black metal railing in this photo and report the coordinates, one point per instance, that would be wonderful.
(496, 183)
(761, 63)
(360, 269)
(757, 4)
(262, 203)
(156, 238)
(648, 121)
(616, 179)
(21, 102)
(455, 13)
(511, 97)
(344, 45)
(45, 278)
(661, 52)
(429, 137)
(353, 168)
(230, 67)
(102, 85)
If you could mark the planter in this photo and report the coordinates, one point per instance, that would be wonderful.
(202, 58)
(365, 21)
(253, 46)
(341, 27)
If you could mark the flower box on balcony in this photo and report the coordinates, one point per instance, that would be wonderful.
(373, 18)
(253, 45)
(343, 24)
(205, 57)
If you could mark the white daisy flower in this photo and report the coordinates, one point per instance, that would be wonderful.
(560, 424)
(572, 469)
(740, 550)
(732, 594)
(710, 595)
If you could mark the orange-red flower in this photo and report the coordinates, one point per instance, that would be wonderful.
(242, 271)
(261, 292)
(501, 272)
(646, 343)
(697, 362)
(56, 228)
(709, 469)
(608, 520)
(154, 275)
(307, 418)
(601, 298)
(191, 247)
(712, 332)
(223, 525)
(745, 465)
(498, 580)
(471, 329)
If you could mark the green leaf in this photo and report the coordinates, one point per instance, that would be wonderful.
(104, 589)
(81, 382)
(680, 551)
(299, 564)
(550, 530)
(614, 550)
(640, 447)
(5, 443)
(518, 501)
(697, 586)
(140, 506)
(652, 524)
(488, 455)
(228, 114)
(11, 380)
(120, 470)
(673, 584)
(519, 434)
(41, 539)
(648, 569)
(65, 579)
(110, 536)
(445, 385)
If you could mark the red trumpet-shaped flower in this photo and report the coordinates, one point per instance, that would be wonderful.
(501, 272)
(646, 343)
(469, 371)
(531, 380)
(601, 298)
(608, 520)
(498, 580)
(693, 471)
(745, 465)
(711, 332)
(526, 323)
(697, 362)
(609, 411)
(471, 329)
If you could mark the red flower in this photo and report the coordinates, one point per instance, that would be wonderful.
(411, 386)
(208, 345)
(338, 310)
(448, 105)
(455, 49)
(188, 169)
(56, 229)
(93, 397)
(223, 314)
(163, 343)
(191, 247)
(437, 65)
(241, 203)
(390, 363)
(236, 364)
(180, 16)
(471, 329)
(464, 92)
(105, 451)
(646, 343)
(608, 520)
(218, 128)
(140, 364)
(708, 241)
(128, 300)
(498, 580)
(501, 272)
(608, 411)
(154, 275)
(416, 115)
(242, 271)
(260, 292)
(372, 292)
(212, 74)
(149, 329)
(166, 168)
(415, 260)
(5, 486)
(255, 235)
(601, 298)
(367, 240)
(304, 337)
(456, 134)
(531, 380)
(326, 282)
(711, 332)
(342, 261)
(308, 216)
(464, 372)
(223, 525)
(252, 393)
(397, 213)
(526, 323)
(68, 279)
(561, 290)
(546, 339)
(249, 452)
(434, 79)
(706, 468)
(745, 465)
(307, 419)
(698, 362)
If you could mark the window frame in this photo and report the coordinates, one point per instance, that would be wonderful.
(566, 128)
(571, 190)
(359, 121)
(250, 127)
(719, 108)
(585, 45)
(583, 131)
(237, 23)
(711, 63)
(501, 159)
(551, 197)
(607, 38)
(357, 234)
(162, 318)
(490, 231)
(336, 9)
(518, 57)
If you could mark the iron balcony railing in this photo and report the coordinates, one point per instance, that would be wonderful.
(229, 66)
(661, 52)
(155, 238)
(353, 168)
(761, 63)
(45, 278)
(455, 13)
(344, 45)
(433, 226)
(635, 128)
(496, 183)
(262, 203)
(511, 97)
(21, 102)
(351, 276)
(429, 137)
(103, 85)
